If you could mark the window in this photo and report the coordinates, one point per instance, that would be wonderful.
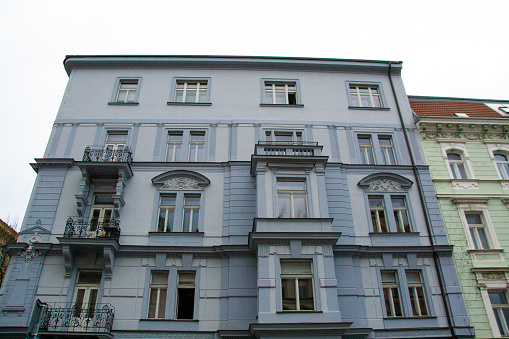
(193, 142)
(127, 91)
(167, 203)
(365, 96)
(379, 205)
(284, 137)
(416, 292)
(297, 285)
(500, 306)
(366, 149)
(185, 295)
(457, 165)
(387, 150)
(179, 207)
(391, 294)
(101, 212)
(85, 294)
(187, 91)
(400, 210)
(115, 140)
(283, 93)
(158, 293)
(377, 210)
(477, 230)
(502, 165)
(292, 198)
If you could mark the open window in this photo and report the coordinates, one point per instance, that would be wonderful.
(185, 295)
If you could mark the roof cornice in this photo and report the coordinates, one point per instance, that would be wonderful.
(453, 99)
(231, 62)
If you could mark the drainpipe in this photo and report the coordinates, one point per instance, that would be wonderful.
(438, 267)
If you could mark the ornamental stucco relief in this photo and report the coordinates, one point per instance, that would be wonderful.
(385, 185)
(180, 184)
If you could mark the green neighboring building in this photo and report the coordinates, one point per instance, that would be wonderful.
(466, 143)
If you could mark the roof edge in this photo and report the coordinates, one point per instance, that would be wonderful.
(433, 98)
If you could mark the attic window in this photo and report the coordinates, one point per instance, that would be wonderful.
(504, 109)
(461, 115)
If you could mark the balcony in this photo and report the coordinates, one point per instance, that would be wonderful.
(299, 154)
(102, 154)
(91, 228)
(94, 319)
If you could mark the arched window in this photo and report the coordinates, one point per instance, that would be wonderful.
(502, 164)
(457, 165)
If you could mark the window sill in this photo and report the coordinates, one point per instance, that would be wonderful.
(394, 233)
(370, 108)
(191, 234)
(385, 239)
(123, 103)
(411, 318)
(283, 312)
(486, 251)
(172, 103)
(282, 105)
(175, 238)
(183, 320)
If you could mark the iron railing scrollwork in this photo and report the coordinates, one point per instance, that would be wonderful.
(91, 228)
(107, 154)
(77, 318)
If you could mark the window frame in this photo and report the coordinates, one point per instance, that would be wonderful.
(116, 88)
(415, 304)
(389, 209)
(466, 207)
(495, 149)
(177, 79)
(151, 284)
(263, 101)
(185, 144)
(175, 316)
(351, 105)
(178, 217)
(274, 131)
(390, 286)
(377, 149)
(288, 177)
(461, 150)
(313, 276)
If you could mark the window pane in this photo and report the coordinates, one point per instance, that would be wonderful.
(474, 219)
(296, 267)
(131, 96)
(168, 199)
(299, 206)
(203, 96)
(291, 185)
(355, 101)
(500, 157)
(161, 222)
(306, 294)
(462, 172)
(483, 238)
(268, 98)
(397, 302)
(283, 201)
(376, 101)
(179, 96)
(280, 98)
(190, 96)
(185, 307)
(453, 156)
(161, 312)
(121, 96)
(288, 294)
(192, 85)
(160, 278)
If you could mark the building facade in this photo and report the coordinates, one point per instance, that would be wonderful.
(233, 197)
(7, 235)
(466, 142)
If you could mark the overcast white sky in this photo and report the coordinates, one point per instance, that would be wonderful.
(449, 48)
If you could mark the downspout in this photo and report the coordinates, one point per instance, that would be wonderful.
(438, 267)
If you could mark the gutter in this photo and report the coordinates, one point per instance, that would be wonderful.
(438, 267)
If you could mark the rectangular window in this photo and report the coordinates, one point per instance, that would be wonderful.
(282, 93)
(174, 146)
(366, 150)
(127, 89)
(416, 292)
(196, 146)
(400, 210)
(297, 285)
(391, 294)
(185, 295)
(292, 198)
(387, 150)
(191, 214)
(101, 212)
(187, 91)
(85, 294)
(500, 306)
(284, 137)
(477, 229)
(167, 203)
(365, 96)
(377, 210)
(158, 292)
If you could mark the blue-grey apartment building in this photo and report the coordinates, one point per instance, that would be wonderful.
(232, 197)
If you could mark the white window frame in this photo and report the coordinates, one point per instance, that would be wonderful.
(186, 80)
(457, 148)
(379, 151)
(296, 277)
(501, 149)
(370, 85)
(304, 192)
(186, 145)
(201, 87)
(296, 135)
(389, 210)
(412, 291)
(286, 91)
(391, 313)
(386, 150)
(118, 87)
(482, 209)
(364, 149)
(179, 212)
(158, 287)
(378, 227)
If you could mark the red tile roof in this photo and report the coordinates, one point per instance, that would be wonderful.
(448, 108)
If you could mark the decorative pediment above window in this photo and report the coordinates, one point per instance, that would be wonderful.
(180, 180)
(385, 182)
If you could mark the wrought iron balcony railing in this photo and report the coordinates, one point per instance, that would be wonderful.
(283, 148)
(91, 228)
(77, 318)
(107, 154)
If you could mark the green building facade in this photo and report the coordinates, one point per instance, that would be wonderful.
(466, 143)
